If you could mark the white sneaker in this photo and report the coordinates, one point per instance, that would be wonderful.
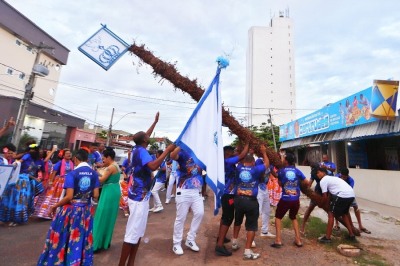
(251, 256)
(192, 245)
(152, 209)
(253, 244)
(267, 234)
(158, 209)
(163, 189)
(172, 196)
(177, 249)
(167, 201)
(235, 245)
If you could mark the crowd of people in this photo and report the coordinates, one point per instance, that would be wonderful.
(82, 192)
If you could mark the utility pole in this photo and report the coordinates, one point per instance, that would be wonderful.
(110, 129)
(39, 70)
(272, 129)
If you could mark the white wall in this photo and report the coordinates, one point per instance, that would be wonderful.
(379, 186)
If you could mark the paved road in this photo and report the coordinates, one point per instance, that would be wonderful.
(22, 245)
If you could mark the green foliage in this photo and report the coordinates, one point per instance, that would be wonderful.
(103, 134)
(264, 133)
(153, 145)
(24, 140)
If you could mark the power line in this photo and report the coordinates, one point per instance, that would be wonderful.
(167, 100)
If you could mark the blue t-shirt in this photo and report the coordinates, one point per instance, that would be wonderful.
(57, 167)
(140, 188)
(290, 178)
(127, 166)
(230, 174)
(94, 158)
(247, 180)
(26, 164)
(161, 176)
(349, 180)
(330, 165)
(189, 172)
(264, 178)
(83, 180)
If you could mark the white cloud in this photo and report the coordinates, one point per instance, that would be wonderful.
(341, 47)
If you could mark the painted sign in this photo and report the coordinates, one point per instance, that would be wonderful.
(104, 47)
(351, 111)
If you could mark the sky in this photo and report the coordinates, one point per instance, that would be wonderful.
(340, 48)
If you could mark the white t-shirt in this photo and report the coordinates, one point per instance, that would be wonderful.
(336, 186)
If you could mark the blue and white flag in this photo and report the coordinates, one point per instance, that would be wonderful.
(202, 139)
(104, 47)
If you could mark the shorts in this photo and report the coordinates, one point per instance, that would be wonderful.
(137, 221)
(248, 206)
(354, 204)
(228, 209)
(284, 206)
(339, 206)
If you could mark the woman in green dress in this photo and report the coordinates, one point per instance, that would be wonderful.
(107, 208)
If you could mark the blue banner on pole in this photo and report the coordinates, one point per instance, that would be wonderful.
(104, 47)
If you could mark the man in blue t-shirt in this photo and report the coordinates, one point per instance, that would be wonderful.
(246, 204)
(95, 160)
(188, 197)
(139, 192)
(329, 166)
(289, 178)
(228, 208)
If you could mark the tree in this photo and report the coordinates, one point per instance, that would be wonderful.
(263, 133)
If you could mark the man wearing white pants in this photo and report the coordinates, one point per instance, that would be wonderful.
(161, 178)
(171, 180)
(188, 196)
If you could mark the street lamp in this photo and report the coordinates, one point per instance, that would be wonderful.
(111, 125)
(37, 70)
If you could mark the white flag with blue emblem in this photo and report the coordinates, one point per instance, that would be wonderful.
(104, 47)
(202, 139)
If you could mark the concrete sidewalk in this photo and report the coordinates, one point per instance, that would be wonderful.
(383, 221)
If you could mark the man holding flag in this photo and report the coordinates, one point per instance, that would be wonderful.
(200, 148)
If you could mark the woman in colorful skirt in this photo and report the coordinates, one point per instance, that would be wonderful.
(48, 166)
(107, 208)
(17, 202)
(55, 186)
(69, 239)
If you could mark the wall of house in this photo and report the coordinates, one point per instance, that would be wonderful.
(379, 186)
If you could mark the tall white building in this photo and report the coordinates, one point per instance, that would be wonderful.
(270, 81)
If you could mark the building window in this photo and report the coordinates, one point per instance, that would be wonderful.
(291, 93)
(290, 84)
(289, 42)
(272, 91)
(18, 42)
(272, 83)
(272, 100)
(29, 48)
(21, 75)
(9, 71)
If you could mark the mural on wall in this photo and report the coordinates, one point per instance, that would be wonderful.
(366, 106)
